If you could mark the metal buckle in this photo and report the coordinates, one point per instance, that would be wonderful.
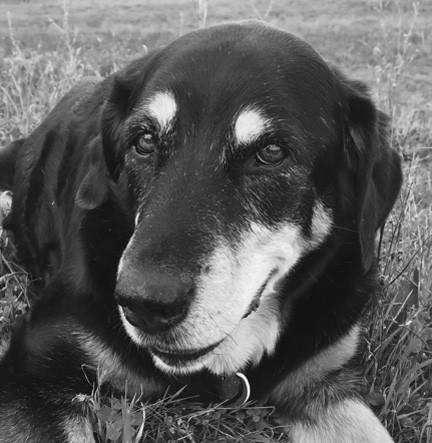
(234, 390)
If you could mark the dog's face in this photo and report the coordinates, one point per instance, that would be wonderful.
(232, 141)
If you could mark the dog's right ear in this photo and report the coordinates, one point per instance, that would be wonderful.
(126, 90)
(374, 164)
(93, 189)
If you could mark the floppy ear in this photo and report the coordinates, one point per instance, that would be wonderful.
(93, 189)
(376, 166)
(127, 87)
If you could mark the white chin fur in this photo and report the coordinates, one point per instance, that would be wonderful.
(226, 292)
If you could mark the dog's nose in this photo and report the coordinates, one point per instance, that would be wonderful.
(153, 302)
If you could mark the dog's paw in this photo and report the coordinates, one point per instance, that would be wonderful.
(5, 203)
(349, 421)
(5, 208)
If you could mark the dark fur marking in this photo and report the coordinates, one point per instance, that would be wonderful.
(8, 156)
(62, 175)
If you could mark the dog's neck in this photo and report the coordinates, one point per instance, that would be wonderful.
(323, 301)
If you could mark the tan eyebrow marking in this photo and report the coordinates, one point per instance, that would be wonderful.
(162, 106)
(249, 125)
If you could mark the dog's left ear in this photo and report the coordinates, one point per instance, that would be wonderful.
(375, 165)
(93, 189)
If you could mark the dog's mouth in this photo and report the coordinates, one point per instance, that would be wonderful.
(254, 305)
(176, 357)
(184, 357)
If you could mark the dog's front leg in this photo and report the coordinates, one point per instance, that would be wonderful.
(348, 421)
(320, 400)
(41, 376)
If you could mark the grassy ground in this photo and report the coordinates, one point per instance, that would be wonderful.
(44, 50)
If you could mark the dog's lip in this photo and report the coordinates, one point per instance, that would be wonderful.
(257, 299)
(176, 356)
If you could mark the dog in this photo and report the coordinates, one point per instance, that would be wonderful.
(204, 217)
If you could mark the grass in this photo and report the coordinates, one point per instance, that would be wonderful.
(47, 46)
(173, 419)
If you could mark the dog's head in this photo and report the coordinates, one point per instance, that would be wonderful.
(244, 152)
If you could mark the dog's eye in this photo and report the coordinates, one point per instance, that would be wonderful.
(145, 144)
(270, 155)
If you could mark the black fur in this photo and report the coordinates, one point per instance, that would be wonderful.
(77, 187)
